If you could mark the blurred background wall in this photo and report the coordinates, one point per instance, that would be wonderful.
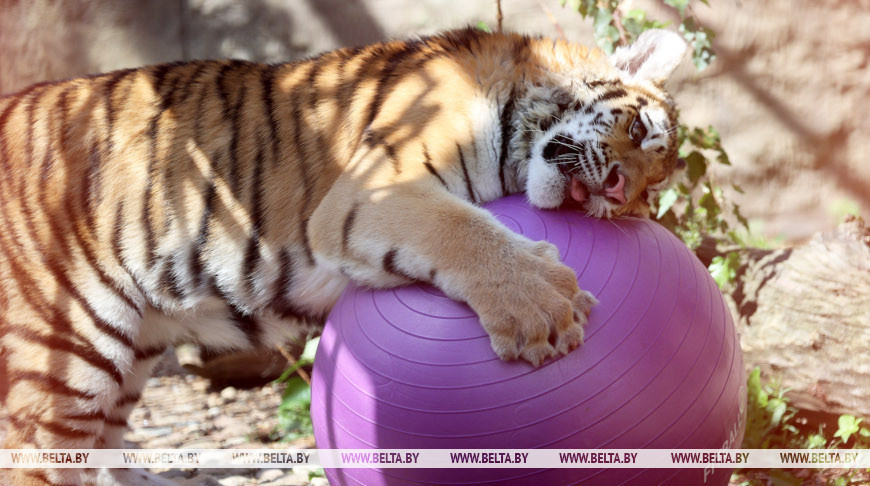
(790, 91)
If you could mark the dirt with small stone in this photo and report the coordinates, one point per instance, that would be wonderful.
(182, 410)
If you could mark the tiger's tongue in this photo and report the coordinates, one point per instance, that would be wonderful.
(578, 190)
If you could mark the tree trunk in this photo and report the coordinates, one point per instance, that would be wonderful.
(803, 315)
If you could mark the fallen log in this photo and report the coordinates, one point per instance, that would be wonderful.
(803, 314)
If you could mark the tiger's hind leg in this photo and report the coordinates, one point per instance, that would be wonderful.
(68, 364)
(146, 357)
(60, 390)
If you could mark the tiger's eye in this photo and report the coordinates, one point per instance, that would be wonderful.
(637, 132)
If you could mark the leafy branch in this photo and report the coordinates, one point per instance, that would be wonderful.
(696, 206)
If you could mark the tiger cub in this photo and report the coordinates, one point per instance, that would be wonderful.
(228, 203)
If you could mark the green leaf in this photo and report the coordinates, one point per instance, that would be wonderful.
(777, 408)
(696, 166)
(307, 356)
(848, 425)
(815, 441)
(700, 38)
(680, 5)
(666, 200)
(297, 391)
(737, 188)
(483, 26)
(740, 219)
(724, 271)
(710, 206)
(606, 34)
(294, 419)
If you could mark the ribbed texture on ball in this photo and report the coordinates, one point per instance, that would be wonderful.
(661, 368)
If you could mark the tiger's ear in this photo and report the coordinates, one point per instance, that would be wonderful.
(653, 56)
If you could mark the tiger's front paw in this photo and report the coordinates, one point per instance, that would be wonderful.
(537, 311)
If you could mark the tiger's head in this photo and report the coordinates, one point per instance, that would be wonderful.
(607, 142)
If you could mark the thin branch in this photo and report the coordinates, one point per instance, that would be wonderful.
(617, 21)
(290, 359)
(553, 20)
(499, 17)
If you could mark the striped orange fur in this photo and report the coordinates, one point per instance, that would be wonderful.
(228, 203)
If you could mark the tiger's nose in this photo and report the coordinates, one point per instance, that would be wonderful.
(614, 185)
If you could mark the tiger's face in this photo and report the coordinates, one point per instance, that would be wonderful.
(609, 156)
(606, 145)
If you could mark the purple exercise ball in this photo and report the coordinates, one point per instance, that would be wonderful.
(661, 366)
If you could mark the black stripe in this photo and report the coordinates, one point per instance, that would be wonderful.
(88, 354)
(432, 274)
(184, 93)
(615, 93)
(311, 82)
(90, 188)
(148, 353)
(48, 384)
(148, 224)
(60, 429)
(506, 133)
(585, 163)
(464, 38)
(94, 415)
(520, 48)
(252, 254)
(196, 262)
(597, 119)
(267, 78)
(209, 194)
(427, 162)
(301, 160)
(169, 282)
(306, 243)
(409, 48)
(232, 112)
(642, 101)
(108, 91)
(284, 281)
(247, 324)
(62, 109)
(159, 75)
(468, 185)
(390, 265)
(4, 118)
(219, 82)
(347, 91)
(235, 118)
(118, 235)
(116, 422)
(129, 398)
(200, 105)
(347, 227)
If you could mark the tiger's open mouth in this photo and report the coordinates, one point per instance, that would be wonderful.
(577, 192)
(577, 189)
